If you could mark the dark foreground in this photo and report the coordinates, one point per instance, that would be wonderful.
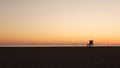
(67, 57)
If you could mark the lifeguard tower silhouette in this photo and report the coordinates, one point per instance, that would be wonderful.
(90, 44)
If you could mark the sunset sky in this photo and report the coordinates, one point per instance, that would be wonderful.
(59, 21)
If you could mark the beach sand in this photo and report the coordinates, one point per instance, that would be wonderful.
(60, 57)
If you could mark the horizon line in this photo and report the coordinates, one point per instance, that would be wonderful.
(58, 44)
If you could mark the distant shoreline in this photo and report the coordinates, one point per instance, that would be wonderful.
(59, 46)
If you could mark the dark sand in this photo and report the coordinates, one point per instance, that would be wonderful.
(63, 57)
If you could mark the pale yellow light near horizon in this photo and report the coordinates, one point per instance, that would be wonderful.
(59, 21)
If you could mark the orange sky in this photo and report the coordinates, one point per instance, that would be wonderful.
(59, 21)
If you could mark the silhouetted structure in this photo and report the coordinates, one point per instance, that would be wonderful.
(90, 43)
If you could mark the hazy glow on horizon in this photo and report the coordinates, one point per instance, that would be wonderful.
(59, 21)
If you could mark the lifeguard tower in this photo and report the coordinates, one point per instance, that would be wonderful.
(90, 44)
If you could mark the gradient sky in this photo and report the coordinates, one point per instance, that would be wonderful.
(59, 21)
